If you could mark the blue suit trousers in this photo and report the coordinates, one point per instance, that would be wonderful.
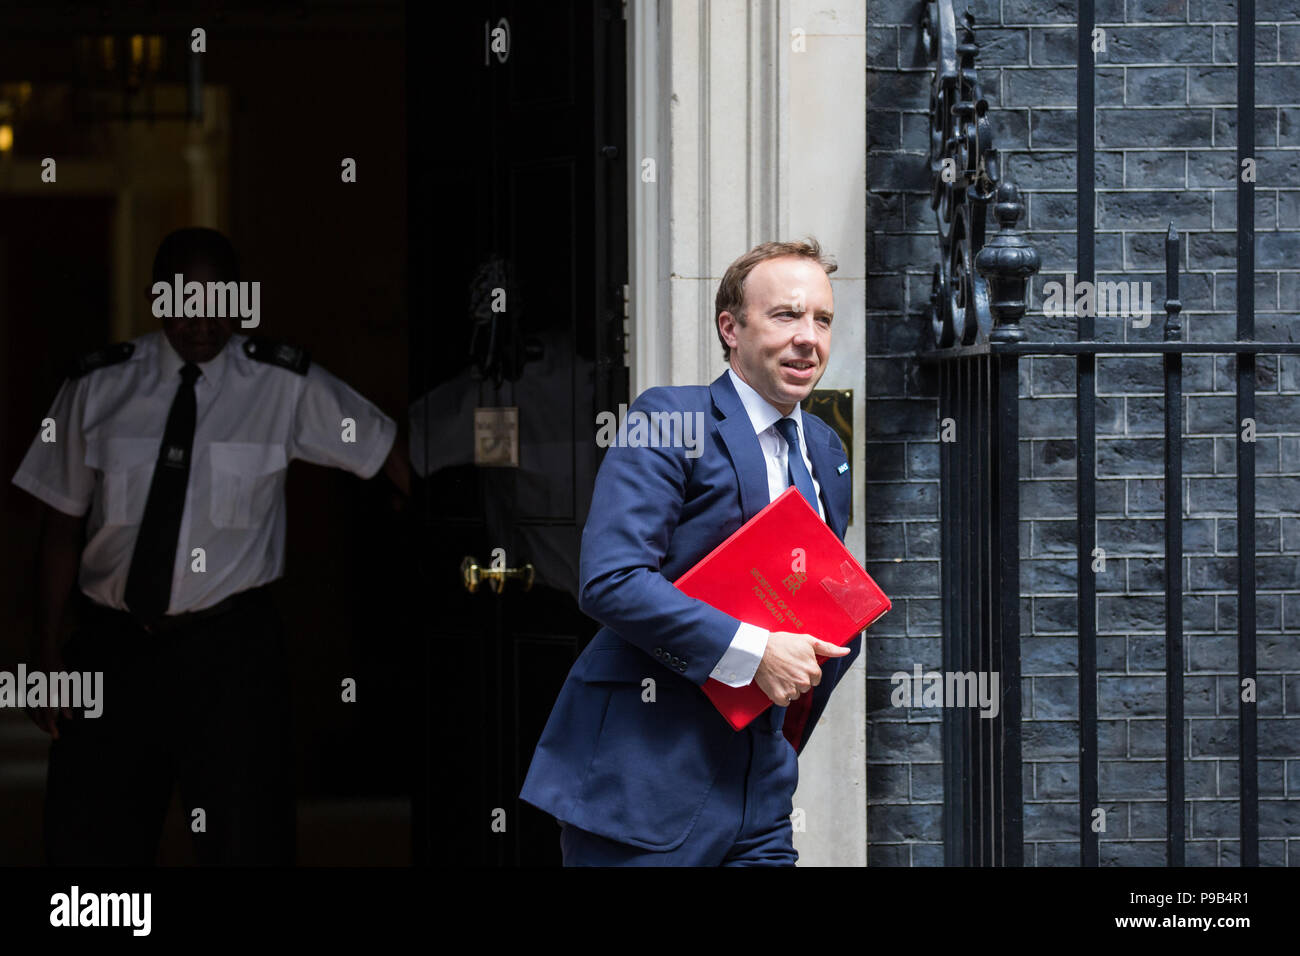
(745, 820)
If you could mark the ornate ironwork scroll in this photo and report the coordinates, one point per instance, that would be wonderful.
(964, 179)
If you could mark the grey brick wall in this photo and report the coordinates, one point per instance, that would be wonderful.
(1166, 127)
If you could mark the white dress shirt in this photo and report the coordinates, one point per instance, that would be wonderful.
(741, 660)
(253, 418)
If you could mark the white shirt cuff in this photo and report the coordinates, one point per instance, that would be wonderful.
(741, 660)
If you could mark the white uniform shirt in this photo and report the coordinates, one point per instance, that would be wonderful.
(741, 660)
(253, 418)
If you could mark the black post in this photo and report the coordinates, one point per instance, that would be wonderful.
(1247, 731)
(1007, 614)
(954, 804)
(1175, 825)
(1086, 422)
(983, 508)
(1007, 262)
(968, 626)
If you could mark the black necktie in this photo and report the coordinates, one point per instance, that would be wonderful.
(796, 469)
(149, 582)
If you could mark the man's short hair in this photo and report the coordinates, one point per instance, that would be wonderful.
(731, 291)
(193, 245)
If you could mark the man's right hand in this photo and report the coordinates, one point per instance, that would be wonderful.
(58, 555)
(789, 665)
(50, 661)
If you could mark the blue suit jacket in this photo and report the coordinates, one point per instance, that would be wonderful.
(608, 762)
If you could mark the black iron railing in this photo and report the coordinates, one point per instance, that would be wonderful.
(978, 301)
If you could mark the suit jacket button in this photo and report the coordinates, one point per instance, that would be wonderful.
(659, 652)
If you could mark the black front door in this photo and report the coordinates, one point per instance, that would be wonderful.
(518, 264)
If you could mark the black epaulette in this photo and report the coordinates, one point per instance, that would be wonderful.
(108, 355)
(292, 357)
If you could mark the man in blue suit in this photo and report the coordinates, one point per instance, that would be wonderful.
(647, 772)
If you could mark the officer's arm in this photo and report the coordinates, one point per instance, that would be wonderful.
(58, 557)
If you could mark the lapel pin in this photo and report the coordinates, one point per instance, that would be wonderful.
(843, 468)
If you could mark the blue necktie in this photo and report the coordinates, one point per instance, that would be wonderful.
(796, 470)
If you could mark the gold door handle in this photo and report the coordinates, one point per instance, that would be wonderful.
(473, 574)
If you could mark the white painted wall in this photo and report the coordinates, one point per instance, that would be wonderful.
(826, 193)
(753, 141)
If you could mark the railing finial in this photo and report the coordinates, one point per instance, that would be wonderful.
(1173, 325)
(1007, 261)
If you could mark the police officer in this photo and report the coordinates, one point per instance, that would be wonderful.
(162, 465)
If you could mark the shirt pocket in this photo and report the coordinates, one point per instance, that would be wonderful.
(126, 468)
(246, 478)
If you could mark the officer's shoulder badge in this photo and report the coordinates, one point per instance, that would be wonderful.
(101, 358)
(292, 357)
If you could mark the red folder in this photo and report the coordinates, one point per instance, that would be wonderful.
(757, 577)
